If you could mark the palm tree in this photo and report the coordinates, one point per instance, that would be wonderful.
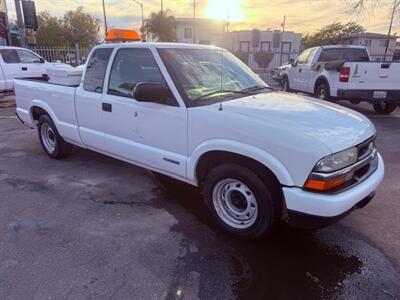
(162, 25)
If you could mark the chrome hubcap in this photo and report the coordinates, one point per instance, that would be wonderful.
(235, 203)
(48, 137)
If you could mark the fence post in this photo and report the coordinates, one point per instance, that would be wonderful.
(77, 55)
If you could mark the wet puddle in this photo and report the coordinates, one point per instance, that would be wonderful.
(290, 264)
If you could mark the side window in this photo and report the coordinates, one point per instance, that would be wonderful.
(9, 56)
(96, 70)
(130, 67)
(310, 56)
(27, 57)
(302, 59)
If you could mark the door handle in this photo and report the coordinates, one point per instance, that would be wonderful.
(300, 70)
(24, 69)
(106, 107)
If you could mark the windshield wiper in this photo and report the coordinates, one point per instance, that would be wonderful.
(222, 92)
(255, 88)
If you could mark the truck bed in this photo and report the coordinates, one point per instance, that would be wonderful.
(57, 100)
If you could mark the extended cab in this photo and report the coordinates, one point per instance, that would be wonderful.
(199, 115)
(345, 73)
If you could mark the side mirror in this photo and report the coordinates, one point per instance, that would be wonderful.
(42, 61)
(150, 92)
(291, 61)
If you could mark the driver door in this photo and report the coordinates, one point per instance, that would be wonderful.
(147, 133)
(297, 75)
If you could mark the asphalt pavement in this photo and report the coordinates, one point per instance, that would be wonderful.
(92, 227)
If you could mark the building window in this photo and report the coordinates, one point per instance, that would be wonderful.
(245, 46)
(188, 33)
(368, 43)
(265, 46)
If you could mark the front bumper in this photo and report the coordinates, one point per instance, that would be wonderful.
(335, 205)
(367, 95)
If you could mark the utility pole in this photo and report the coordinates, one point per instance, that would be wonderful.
(194, 22)
(162, 6)
(396, 5)
(283, 23)
(105, 18)
(20, 23)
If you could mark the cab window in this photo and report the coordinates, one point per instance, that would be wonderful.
(28, 57)
(130, 67)
(96, 70)
(9, 56)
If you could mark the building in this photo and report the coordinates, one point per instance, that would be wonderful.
(271, 48)
(374, 42)
(200, 31)
(3, 23)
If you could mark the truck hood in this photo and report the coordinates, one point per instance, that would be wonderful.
(337, 127)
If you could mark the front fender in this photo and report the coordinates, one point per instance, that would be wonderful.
(255, 153)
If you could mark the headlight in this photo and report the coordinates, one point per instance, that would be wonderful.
(337, 161)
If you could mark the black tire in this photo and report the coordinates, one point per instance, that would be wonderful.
(268, 212)
(285, 84)
(60, 148)
(385, 107)
(322, 92)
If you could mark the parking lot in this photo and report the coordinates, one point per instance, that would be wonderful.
(92, 227)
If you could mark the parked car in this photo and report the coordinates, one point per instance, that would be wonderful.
(345, 72)
(277, 73)
(257, 155)
(20, 63)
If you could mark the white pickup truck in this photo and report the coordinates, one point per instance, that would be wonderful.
(345, 73)
(21, 63)
(199, 115)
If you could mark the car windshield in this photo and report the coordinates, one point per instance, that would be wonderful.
(210, 75)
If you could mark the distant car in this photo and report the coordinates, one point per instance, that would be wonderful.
(277, 73)
(21, 63)
(346, 73)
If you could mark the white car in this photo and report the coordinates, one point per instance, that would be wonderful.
(199, 115)
(345, 72)
(20, 63)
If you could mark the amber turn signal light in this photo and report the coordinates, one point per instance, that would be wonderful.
(325, 184)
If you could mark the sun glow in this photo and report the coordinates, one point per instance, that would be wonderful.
(224, 9)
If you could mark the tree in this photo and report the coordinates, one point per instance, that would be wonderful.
(50, 30)
(162, 25)
(331, 34)
(75, 27)
(80, 27)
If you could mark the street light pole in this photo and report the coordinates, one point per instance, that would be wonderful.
(141, 7)
(194, 22)
(105, 18)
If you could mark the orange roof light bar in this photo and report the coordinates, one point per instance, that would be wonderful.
(114, 35)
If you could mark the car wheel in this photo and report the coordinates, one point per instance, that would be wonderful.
(53, 144)
(322, 92)
(385, 107)
(285, 85)
(240, 202)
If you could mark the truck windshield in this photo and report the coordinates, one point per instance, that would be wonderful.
(346, 54)
(209, 75)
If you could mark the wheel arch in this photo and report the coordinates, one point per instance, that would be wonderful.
(320, 80)
(211, 153)
(38, 108)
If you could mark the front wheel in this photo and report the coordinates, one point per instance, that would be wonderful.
(285, 84)
(385, 107)
(239, 201)
(53, 144)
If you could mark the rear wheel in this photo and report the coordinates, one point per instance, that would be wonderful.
(239, 201)
(322, 92)
(53, 144)
(385, 107)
